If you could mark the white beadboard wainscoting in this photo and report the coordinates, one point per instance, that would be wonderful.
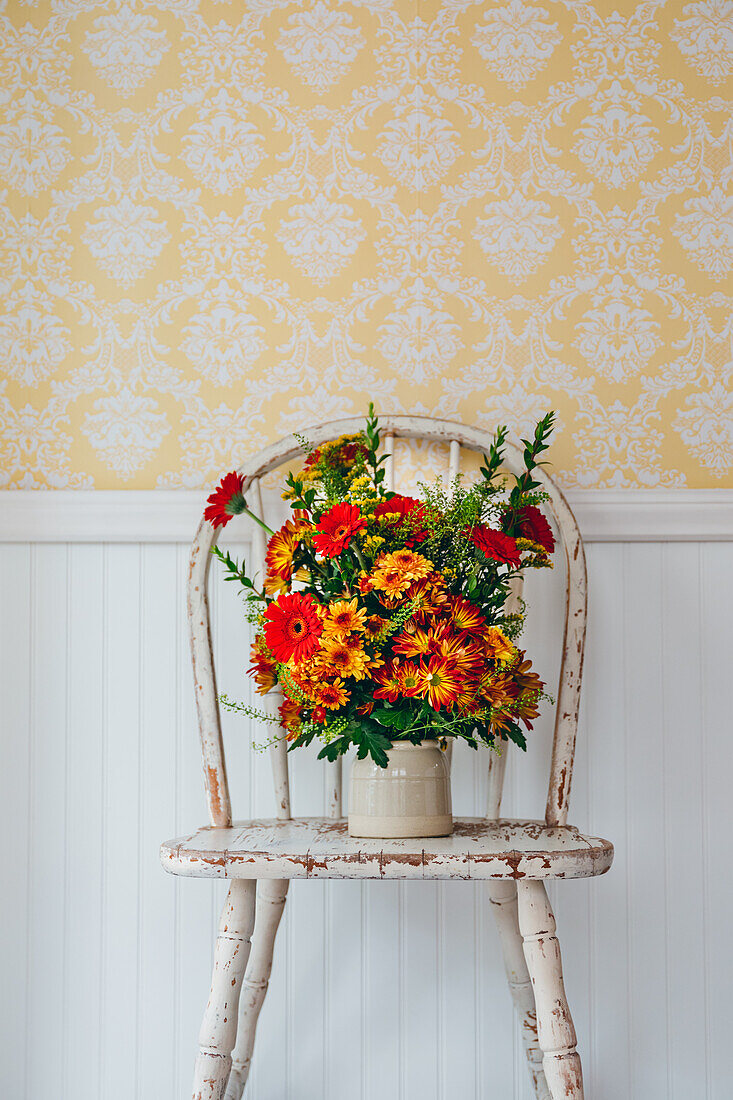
(380, 991)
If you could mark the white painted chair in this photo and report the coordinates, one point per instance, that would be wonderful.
(515, 858)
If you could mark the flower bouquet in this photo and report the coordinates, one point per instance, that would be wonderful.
(386, 619)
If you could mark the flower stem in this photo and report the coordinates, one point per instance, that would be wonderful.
(257, 519)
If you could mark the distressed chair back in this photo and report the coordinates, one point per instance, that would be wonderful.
(456, 436)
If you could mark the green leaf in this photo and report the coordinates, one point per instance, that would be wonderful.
(515, 734)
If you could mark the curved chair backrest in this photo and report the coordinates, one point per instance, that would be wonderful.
(456, 436)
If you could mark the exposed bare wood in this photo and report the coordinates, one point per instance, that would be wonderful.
(571, 669)
(319, 847)
(271, 895)
(504, 907)
(204, 676)
(555, 1030)
(219, 1027)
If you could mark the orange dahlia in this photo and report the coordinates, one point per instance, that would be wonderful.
(293, 627)
(495, 545)
(336, 528)
(226, 501)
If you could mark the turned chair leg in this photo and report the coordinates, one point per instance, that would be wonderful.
(271, 894)
(503, 894)
(556, 1033)
(219, 1027)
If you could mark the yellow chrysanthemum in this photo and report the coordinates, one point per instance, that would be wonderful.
(394, 573)
(344, 617)
(498, 645)
(341, 659)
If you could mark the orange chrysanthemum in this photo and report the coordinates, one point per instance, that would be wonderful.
(388, 680)
(394, 573)
(290, 717)
(412, 643)
(336, 528)
(465, 615)
(498, 645)
(344, 617)
(262, 668)
(331, 695)
(408, 675)
(279, 556)
(498, 691)
(431, 593)
(293, 627)
(338, 658)
(374, 625)
(523, 675)
(440, 682)
(460, 650)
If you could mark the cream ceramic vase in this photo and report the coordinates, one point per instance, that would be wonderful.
(410, 797)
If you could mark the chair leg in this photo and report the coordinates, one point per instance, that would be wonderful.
(271, 894)
(556, 1033)
(503, 894)
(219, 1027)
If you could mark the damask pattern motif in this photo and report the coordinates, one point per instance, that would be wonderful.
(221, 220)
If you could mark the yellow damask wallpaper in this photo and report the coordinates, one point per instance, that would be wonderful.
(222, 221)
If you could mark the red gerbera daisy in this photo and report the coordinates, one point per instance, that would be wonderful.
(226, 501)
(407, 510)
(336, 528)
(534, 526)
(496, 545)
(293, 627)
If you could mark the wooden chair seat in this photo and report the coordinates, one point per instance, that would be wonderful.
(320, 847)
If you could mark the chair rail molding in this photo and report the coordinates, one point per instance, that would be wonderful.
(172, 515)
